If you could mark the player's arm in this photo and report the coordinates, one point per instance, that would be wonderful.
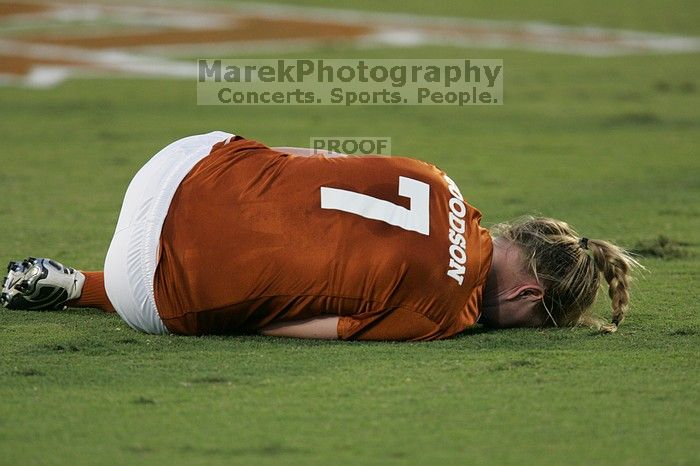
(323, 328)
(306, 152)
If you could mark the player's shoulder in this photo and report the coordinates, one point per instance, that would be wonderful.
(238, 144)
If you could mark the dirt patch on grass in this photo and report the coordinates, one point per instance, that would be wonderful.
(61, 348)
(633, 119)
(662, 247)
(142, 400)
(28, 372)
(683, 332)
(209, 380)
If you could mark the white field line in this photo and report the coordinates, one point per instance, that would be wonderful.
(463, 32)
(234, 49)
(67, 14)
(390, 28)
(385, 30)
(406, 30)
(95, 60)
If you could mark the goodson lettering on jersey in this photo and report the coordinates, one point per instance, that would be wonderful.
(458, 246)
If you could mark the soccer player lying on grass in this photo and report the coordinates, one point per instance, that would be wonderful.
(223, 235)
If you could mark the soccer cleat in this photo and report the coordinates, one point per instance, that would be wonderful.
(40, 284)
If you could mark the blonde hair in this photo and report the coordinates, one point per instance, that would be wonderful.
(569, 268)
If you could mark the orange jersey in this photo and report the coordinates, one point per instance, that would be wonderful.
(254, 236)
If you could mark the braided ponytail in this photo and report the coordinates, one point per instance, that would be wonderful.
(615, 264)
(569, 268)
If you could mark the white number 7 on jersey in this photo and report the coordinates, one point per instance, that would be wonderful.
(417, 218)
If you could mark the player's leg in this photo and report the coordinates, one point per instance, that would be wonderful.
(44, 284)
(127, 282)
(93, 293)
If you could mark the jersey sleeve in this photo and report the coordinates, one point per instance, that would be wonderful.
(398, 324)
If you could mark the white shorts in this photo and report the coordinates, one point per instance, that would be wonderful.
(131, 261)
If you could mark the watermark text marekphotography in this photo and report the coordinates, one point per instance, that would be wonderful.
(457, 82)
(351, 145)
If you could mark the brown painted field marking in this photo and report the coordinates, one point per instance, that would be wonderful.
(243, 30)
(42, 43)
(13, 8)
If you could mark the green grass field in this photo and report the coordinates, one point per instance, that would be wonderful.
(609, 144)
